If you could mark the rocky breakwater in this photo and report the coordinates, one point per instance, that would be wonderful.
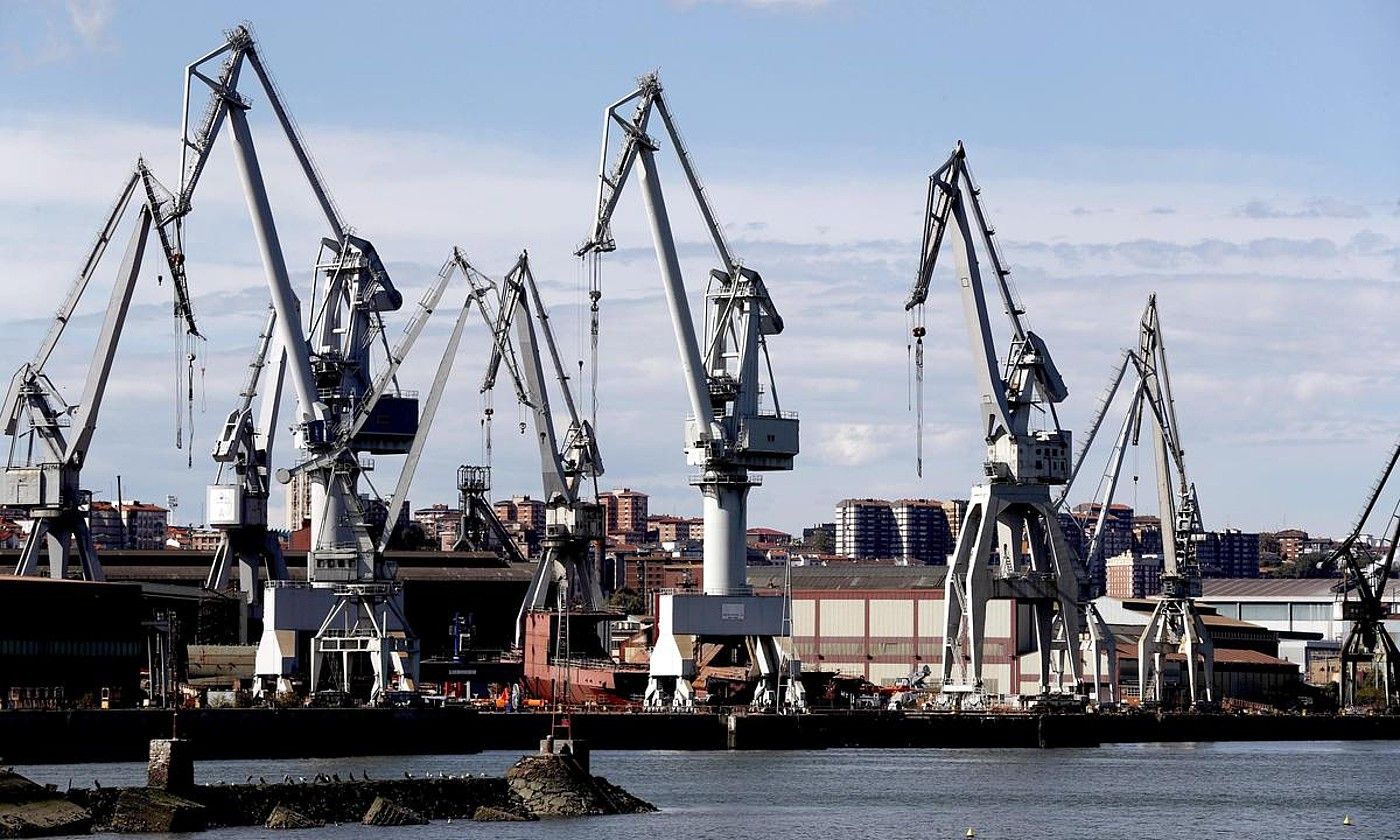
(30, 810)
(537, 786)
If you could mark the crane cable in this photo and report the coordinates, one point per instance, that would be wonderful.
(487, 410)
(595, 293)
(918, 332)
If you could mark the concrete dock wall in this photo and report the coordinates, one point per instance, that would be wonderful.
(124, 735)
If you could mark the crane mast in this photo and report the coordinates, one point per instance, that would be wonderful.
(728, 435)
(49, 438)
(342, 411)
(1011, 522)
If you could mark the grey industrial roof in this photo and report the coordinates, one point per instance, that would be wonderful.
(1268, 587)
(850, 576)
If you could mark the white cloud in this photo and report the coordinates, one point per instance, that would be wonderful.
(855, 444)
(91, 19)
(1264, 316)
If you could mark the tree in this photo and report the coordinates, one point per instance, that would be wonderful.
(628, 601)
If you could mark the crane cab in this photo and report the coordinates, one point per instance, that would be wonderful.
(1041, 457)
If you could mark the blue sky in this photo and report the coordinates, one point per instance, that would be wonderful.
(1239, 159)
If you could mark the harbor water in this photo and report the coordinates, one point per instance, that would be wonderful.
(1206, 790)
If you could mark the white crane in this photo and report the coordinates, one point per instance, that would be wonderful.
(50, 438)
(729, 435)
(238, 507)
(1176, 626)
(1010, 517)
(343, 411)
(567, 575)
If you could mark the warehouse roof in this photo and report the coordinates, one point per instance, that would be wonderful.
(1269, 587)
(850, 576)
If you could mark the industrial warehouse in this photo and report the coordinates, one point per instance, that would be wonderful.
(1013, 601)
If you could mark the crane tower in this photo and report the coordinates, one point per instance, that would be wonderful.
(729, 435)
(344, 409)
(49, 438)
(1010, 545)
(1176, 626)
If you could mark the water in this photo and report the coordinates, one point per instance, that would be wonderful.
(1236, 790)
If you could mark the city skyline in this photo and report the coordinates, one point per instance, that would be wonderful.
(1272, 240)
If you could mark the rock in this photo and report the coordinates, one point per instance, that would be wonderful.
(47, 818)
(284, 818)
(382, 812)
(146, 811)
(488, 814)
(624, 802)
(555, 786)
(30, 810)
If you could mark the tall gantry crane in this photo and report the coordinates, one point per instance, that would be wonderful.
(567, 574)
(729, 435)
(343, 411)
(237, 507)
(1369, 653)
(50, 438)
(481, 529)
(1176, 626)
(1010, 518)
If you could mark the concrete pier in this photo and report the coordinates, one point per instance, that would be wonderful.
(124, 735)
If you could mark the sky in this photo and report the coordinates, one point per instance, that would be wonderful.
(1238, 159)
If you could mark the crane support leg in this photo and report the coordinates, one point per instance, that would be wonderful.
(1001, 518)
(1176, 627)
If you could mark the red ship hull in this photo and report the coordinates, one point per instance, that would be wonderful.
(588, 676)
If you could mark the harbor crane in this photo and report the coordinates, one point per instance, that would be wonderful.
(238, 507)
(343, 411)
(50, 438)
(1369, 653)
(1010, 545)
(1176, 626)
(566, 578)
(480, 529)
(729, 435)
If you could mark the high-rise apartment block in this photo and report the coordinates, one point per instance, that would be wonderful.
(625, 512)
(1230, 553)
(1134, 575)
(908, 530)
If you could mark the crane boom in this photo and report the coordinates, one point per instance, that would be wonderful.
(425, 422)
